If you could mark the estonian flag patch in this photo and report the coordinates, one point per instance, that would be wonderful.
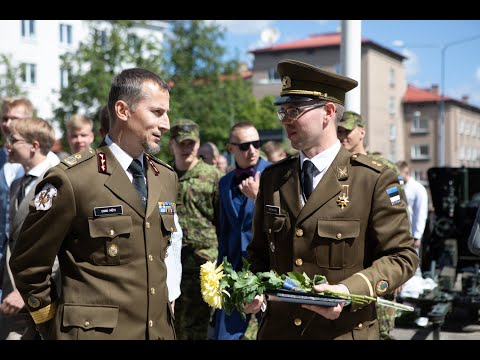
(394, 195)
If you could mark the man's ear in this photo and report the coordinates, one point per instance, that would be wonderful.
(122, 110)
(229, 148)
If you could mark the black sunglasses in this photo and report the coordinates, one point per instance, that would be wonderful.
(246, 145)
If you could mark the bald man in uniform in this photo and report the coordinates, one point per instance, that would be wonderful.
(109, 215)
(326, 211)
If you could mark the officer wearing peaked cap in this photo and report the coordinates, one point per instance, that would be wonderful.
(333, 216)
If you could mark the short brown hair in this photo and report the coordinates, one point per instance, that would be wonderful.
(36, 129)
(77, 121)
(11, 102)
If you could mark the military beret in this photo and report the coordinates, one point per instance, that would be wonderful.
(304, 82)
(350, 120)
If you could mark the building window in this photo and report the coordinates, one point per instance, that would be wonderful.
(65, 34)
(391, 105)
(420, 176)
(419, 125)
(28, 74)
(419, 152)
(391, 77)
(64, 78)
(461, 153)
(273, 76)
(28, 29)
(102, 37)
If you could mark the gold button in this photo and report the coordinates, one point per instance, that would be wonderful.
(112, 232)
(339, 235)
(150, 257)
(299, 262)
(150, 323)
(152, 291)
(374, 162)
(297, 322)
(147, 225)
(87, 323)
(299, 232)
(354, 156)
(269, 231)
(360, 325)
(112, 250)
(171, 229)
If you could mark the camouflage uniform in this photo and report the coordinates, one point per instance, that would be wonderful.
(196, 207)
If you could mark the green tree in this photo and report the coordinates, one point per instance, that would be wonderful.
(9, 79)
(93, 65)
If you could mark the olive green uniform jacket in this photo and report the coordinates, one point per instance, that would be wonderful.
(113, 273)
(364, 243)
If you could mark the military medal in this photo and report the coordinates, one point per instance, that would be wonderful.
(342, 200)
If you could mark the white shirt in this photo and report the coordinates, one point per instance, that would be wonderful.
(37, 171)
(122, 157)
(322, 162)
(417, 200)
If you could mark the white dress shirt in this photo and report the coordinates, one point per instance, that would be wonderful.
(417, 199)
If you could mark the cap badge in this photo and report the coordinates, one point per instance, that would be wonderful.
(342, 200)
(286, 82)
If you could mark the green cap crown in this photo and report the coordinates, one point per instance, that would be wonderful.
(185, 129)
(351, 119)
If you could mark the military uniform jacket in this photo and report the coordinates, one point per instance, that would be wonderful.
(112, 267)
(354, 229)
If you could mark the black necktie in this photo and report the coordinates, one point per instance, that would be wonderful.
(26, 180)
(138, 180)
(307, 175)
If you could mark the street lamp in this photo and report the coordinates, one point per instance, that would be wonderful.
(441, 112)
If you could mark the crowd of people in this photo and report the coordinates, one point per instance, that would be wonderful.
(107, 243)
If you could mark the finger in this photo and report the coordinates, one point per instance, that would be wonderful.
(257, 176)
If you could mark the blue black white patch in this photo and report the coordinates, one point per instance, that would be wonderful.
(394, 195)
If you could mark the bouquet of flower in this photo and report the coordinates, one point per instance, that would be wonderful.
(223, 287)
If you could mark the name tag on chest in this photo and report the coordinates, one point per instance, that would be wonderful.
(108, 210)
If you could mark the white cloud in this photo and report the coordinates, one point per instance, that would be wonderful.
(244, 27)
(412, 64)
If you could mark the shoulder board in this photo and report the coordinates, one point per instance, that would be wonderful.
(158, 161)
(284, 161)
(368, 162)
(78, 158)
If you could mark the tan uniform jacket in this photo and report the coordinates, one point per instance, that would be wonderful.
(365, 245)
(112, 267)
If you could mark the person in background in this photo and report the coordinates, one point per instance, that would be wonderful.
(327, 212)
(274, 151)
(197, 203)
(222, 163)
(79, 133)
(28, 144)
(238, 190)
(120, 196)
(208, 152)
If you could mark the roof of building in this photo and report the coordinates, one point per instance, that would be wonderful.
(319, 41)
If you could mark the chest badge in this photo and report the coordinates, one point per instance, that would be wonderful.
(342, 200)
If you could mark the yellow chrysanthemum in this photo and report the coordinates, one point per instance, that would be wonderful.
(210, 284)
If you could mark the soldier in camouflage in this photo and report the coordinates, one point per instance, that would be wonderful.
(351, 131)
(196, 206)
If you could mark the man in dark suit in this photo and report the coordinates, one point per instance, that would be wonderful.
(326, 211)
(108, 214)
(28, 144)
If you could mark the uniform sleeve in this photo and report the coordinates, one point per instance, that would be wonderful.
(394, 257)
(45, 227)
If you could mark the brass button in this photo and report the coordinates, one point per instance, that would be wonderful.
(374, 162)
(147, 225)
(299, 262)
(152, 291)
(299, 232)
(171, 229)
(297, 322)
(339, 235)
(112, 250)
(87, 323)
(354, 156)
(112, 232)
(150, 257)
(150, 323)
(360, 325)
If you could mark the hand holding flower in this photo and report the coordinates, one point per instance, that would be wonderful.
(255, 306)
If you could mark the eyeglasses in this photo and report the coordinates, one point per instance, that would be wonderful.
(5, 118)
(294, 112)
(12, 141)
(246, 145)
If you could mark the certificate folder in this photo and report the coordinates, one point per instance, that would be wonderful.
(304, 298)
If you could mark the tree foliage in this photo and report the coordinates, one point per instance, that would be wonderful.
(9, 85)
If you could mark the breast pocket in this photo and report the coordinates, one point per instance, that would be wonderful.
(274, 226)
(115, 240)
(168, 227)
(333, 245)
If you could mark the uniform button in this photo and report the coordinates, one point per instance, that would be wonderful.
(299, 262)
(152, 291)
(171, 229)
(112, 232)
(360, 325)
(87, 323)
(150, 257)
(112, 250)
(374, 162)
(269, 231)
(147, 225)
(339, 235)
(354, 156)
(299, 232)
(150, 323)
(297, 322)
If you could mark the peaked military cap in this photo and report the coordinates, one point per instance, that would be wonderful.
(185, 129)
(350, 120)
(304, 82)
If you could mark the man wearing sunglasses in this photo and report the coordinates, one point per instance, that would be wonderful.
(327, 212)
(238, 190)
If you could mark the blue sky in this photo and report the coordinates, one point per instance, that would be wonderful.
(422, 39)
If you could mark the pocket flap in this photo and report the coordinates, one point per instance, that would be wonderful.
(338, 229)
(110, 226)
(275, 223)
(168, 222)
(90, 316)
